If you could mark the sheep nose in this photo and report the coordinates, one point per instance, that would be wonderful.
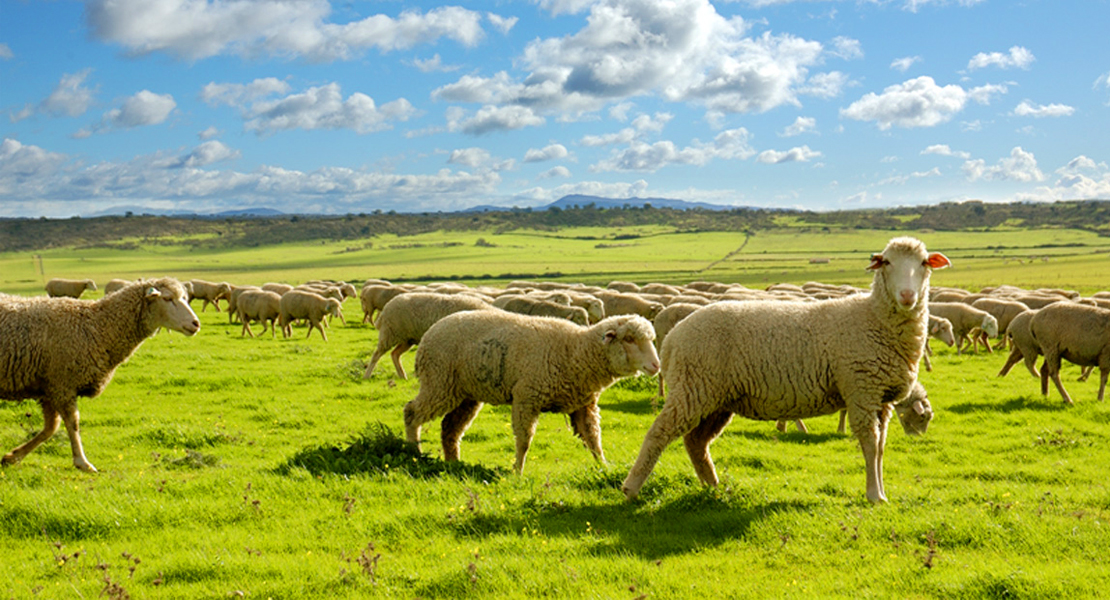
(907, 297)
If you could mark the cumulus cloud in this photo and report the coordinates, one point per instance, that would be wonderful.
(237, 94)
(251, 28)
(641, 125)
(209, 133)
(682, 51)
(70, 98)
(6, 52)
(641, 156)
(918, 102)
(208, 153)
(1017, 57)
(903, 179)
(903, 64)
(799, 126)
(492, 118)
(23, 167)
(324, 108)
(796, 154)
(1028, 109)
(502, 24)
(945, 150)
(1081, 179)
(469, 157)
(846, 48)
(140, 110)
(549, 152)
(559, 171)
(1019, 166)
(433, 65)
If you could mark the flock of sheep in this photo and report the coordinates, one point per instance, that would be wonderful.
(786, 353)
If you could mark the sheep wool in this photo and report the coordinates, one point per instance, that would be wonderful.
(68, 288)
(1076, 332)
(55, 350)
(794, 360)
(535, 364)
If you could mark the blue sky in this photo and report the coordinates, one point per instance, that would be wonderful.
(346, 107)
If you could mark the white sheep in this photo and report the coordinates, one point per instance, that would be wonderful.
(1076, 332)
(1022, 344)
(1003, 311)
(374, 298)
(54, 350)
(300, 304)
(233, 300)
(277, 288)
(68, 288)
(258, 305)
(794, 360)
(965, 318)
(663, 323)
(535, 364)
(624, 303)
(115, 285)
(406, 318)
(939, 328)
(209, 292)
(537, 307)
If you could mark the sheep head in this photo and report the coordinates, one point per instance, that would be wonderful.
(902, 269)
(941, 329)
(914, 411)
(169, 304)
(628, 340)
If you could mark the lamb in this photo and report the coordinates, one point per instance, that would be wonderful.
(258, 305)
(299, 304)
(406, 318)
(535, 364)
(1077, 332)
(525, 305)
(621, 303)
(68, 288)
(210, 293)
(54, 350)
(1022, 344)
(115, 285)
(965, 318)
(793, 360)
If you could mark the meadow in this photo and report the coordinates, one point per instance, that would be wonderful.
(268, 468)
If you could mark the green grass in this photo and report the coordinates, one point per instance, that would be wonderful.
(271, 469)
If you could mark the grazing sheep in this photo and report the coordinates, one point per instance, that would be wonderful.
(69, 288)
(259, 305)
(939, 328)
(115, 285)
(964, 319)
(1022, 344)
(1003, 311)
(1076, 332)
(793, 360)
(621, 303)
(595, 309)
(660, 289)
(535, 364)
(210, 293)
(1037, 300)
(233, 300)
(374, 298)
(406, 318)
(663, 324)
(623, 286)
(277, 288)
(300, 304)
(54, 350)
(525, 305)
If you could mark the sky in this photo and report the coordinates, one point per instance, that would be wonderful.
(311, 106)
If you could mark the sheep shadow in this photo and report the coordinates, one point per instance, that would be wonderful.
(1016, 404)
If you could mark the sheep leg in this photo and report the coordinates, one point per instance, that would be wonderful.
(1054, 373)
(697, 442)
(800, 426)
(1104, 372)
(51, 420)
(671, 423)
(374, 358)
(421, 409)
(247, 327)
(316, 325)
(1031, 364)
(884, 420)
(843, 420)
(928, 363)
(586, 422)
(524, 429)
(866, 425)
(1085, 373)
(455, 424)
(396, 356)
(1015, 356)
(72, 419)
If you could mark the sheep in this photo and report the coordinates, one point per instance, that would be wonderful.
(525, 305)
(233, 300)
(1022, 344)
(1077, 332)
(939, 328)
(300, 304)
(663, 323)
(278, 288)
(54, 350)
(621, 303)
(68, 288)
(1003, 311)
(965, 318)
(595, 309)
(327, 291)
(374, 298)
(406, 318)
(792, 360)
(623, 286)
(115, 285)
(210, 293)
(258, 305)
(660, 289)
(535, 364)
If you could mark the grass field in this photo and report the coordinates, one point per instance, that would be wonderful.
(262, 468)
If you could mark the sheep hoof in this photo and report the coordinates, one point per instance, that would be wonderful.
(8, 459)
(86, 467)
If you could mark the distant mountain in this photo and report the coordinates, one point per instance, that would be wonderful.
(250, 212)
(119, 211)
(583, 200)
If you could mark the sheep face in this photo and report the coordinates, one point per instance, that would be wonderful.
(170, 306)
(990, 325)
(630, 347)
(914, 411)
(903, 269)
(942, 330)
(334, 308)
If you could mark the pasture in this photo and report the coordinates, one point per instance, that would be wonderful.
(262, 468)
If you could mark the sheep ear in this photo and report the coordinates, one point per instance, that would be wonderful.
(937, 260)
(876, 261)
(152, 292)
(610, 336)
(918, 407)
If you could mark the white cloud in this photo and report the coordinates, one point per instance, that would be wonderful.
(6, 52)
(203, 155)
(799, 126)
(846, 48)
(1019, 166)
(492, 118)
(1081, 179)
(1028, 109)
(913, 5)
(210, 133)
(640, 156)
(324, 108)
(559, 171)
(550, 152)
(641, 125)
(903, 64)
(69, 98)
(1103, 82)
(945, 150)
(796, 154)
(502, 24)
(433, 64)
(1018, 57)
(903, 179)
(140, 110)
(24, 168)
(251, 28)
(918, 102)
(238, 94)
(983, 93)
(469, 157)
